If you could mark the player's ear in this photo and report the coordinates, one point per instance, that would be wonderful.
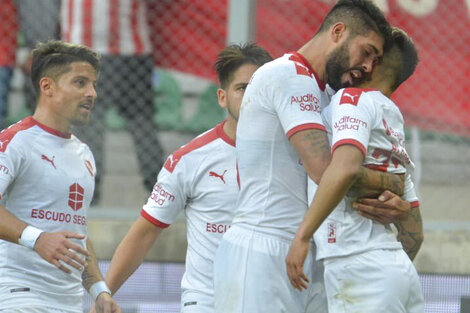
(338, 32)
(222, 98)
(46, 85)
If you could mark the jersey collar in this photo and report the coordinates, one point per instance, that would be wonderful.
(223, 135)
(50, 130)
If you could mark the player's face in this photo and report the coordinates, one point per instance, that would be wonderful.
(75, 93)
(231, 97)
(354, 60)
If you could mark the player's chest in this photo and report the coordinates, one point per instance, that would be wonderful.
(216, 181)
(59, 166)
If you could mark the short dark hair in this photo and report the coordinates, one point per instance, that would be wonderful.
(360, 17)
(234, 56)
(53, 58)
(402, 59)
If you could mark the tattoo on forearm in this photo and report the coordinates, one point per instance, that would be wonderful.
(410, 233)
(373, 183)
(91, 274)
(318, 140)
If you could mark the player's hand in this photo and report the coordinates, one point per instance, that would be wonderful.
(387, 209)
(105, 304)
(295, 263)
(55, 247)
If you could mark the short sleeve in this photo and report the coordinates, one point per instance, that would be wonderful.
(168, 197)
(10, 164)
(297, 101)
(353, 115)
(409, 192)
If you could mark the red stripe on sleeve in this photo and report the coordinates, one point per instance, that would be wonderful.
(153, 220)
(296, 129)
(414, 204)
(349, 142)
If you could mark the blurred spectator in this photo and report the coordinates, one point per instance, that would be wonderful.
(39, 22)
(8, 34)
(119, 31)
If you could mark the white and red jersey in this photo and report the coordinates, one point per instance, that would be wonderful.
(47, 181)
(370, 121)
(201, 179)
(107, 26)
(284, 96)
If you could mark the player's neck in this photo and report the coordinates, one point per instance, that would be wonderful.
(315, 51)
(51, 120)
(382, 86)
(230, 127)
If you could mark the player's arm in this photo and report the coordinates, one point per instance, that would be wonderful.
(314, 151)
(52, 247)
(371, 183)
(93, 282)
(131, 252)
(337, 179)
(410, 232)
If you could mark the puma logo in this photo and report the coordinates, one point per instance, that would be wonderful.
(3, 142)
(350, 96)
(45, 158)
(172, 160)
(214, 174)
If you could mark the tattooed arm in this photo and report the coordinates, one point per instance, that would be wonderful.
(371, 183)
(314, 151)
(92, 275)
(410, 232)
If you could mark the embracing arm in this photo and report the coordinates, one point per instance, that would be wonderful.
(410, 232)
(131, 252)
(314, 151)
(337, 179)
(373, 183)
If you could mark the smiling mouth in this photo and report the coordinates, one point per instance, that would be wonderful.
(355, 77)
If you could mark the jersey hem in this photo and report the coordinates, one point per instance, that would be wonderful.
(153, 220)
(307, 126)
(353, 142)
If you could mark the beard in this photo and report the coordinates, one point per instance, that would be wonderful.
(336, 65)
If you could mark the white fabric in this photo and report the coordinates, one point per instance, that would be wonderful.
(201, 179)
(35, 309)
(111, 27)
(47, 181)
(373, 123)
(282, 98)
(371, 282)
(250, 276)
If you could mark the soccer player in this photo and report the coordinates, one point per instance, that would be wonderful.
(46, 185)
(366, 269)
(200, 179)
(280, 139)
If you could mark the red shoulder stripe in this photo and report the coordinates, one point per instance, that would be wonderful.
(8, 133)
(194, 144)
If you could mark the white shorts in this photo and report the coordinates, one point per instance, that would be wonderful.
(373, 281)
(250, 276)
(196, 302)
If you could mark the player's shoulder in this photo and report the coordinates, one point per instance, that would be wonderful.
(13, 134)
(203, 146)
(354, 96)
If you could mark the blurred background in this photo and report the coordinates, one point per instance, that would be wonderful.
(157, 90)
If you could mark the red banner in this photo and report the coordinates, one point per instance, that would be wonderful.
(435, 98)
